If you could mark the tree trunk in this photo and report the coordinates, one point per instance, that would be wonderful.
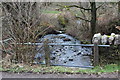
(93, 18)
(119, 12)
(47, 53)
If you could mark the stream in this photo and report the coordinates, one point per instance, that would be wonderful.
(64, 55)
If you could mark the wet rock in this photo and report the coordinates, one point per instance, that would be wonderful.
(70, 59)
(54, 53)
(66, 39)
(66, 55)
(65, 61)
(79, 53)
(53, 58)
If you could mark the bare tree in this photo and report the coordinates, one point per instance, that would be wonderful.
(20, 22)
(93, 11)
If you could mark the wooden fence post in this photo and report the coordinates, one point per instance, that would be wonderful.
(47, 52)
(96, 54)
(119, 55)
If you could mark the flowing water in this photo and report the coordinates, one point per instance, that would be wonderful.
(65, 55)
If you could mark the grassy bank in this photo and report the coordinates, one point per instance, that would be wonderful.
(59, 69)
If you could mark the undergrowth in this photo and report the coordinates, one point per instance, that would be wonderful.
(60, 69)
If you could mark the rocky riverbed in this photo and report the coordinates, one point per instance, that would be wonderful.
(65, 55)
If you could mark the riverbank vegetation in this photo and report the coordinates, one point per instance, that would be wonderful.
(28, 22)
(20, 68)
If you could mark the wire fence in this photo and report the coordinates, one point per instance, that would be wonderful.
(31, 48)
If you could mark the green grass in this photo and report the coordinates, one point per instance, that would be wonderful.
(59, 69)
(104, 69)
(53, 12)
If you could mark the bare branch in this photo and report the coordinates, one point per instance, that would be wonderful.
(83, 19)
(99, 6)
(73, 6)
(78, 7)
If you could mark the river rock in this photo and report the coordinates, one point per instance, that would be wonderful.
(66, 55)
